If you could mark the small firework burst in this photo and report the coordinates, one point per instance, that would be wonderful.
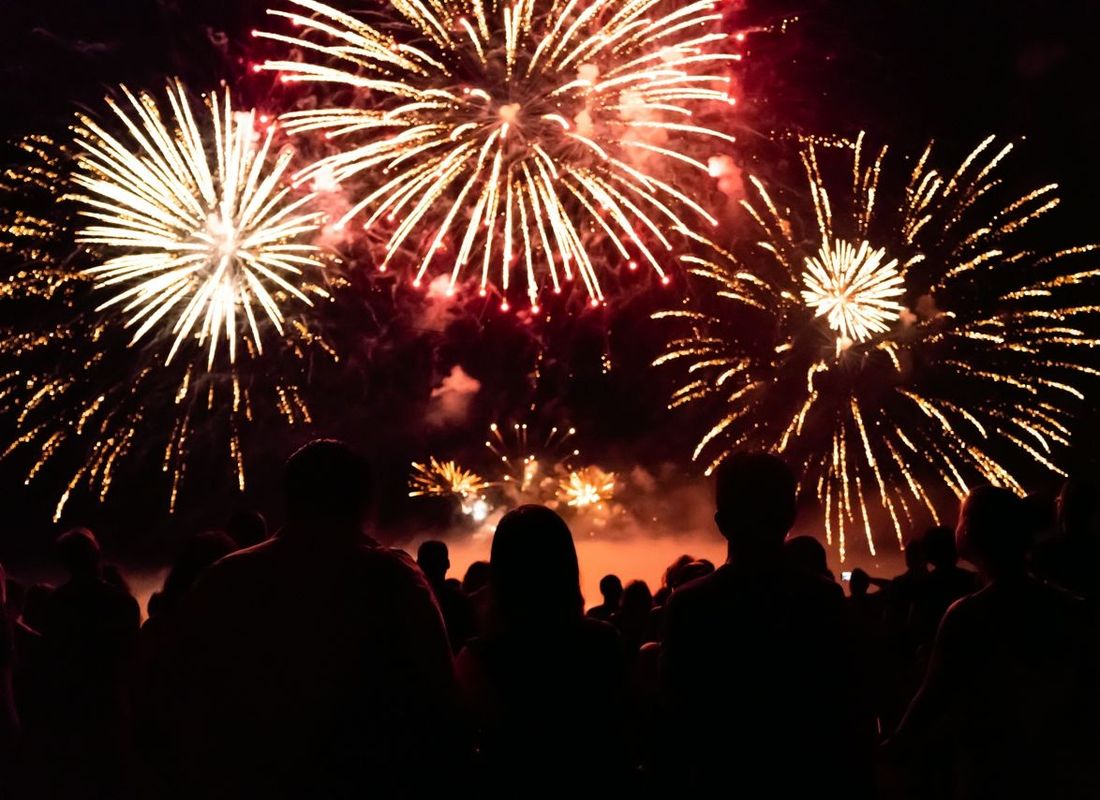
(587, 487)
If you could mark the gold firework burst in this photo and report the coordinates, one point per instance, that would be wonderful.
(198, 226)
(444, 478)
(138, 205)
(506, 136)
(891, 349)
(586, 487)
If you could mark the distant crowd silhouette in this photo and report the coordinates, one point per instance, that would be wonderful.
(316, 663)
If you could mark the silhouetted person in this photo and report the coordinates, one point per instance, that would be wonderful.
(152, 738)
(611, 588)
(1072, 559)
(903, 589)
(671, 579)
(634, 619)
(434, 560)
(756, 661)
(246, 528)
(314, 664)
(546, 686)
(476, 577)
(88, 629)
(1012, 679)
(196, 555)
(945, 584)
(807, 555)
(475, 585)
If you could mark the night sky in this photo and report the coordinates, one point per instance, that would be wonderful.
(904, 70)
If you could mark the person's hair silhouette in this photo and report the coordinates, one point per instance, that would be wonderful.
(755, 499)
(611, 588)
(534, 567)
(434, 560)
(246, 528)
(992, 531)
(79, 553)
(326, 481)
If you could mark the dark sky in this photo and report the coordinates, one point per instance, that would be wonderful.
(905, 70)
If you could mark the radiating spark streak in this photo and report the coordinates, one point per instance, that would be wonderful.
(197, 225)
(580, 98)
(179, 273)
(914, 344)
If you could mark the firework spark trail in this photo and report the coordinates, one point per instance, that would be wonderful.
(894, 350)
(182, 212)
(197, 224)
(444, 478)
(524, 458)
(448, 479)
(507, 136)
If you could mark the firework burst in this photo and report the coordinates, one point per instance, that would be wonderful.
(528, 462)
(448, 479)
(168, 231)
(891, 348)
(587, 487)
(510, 136)
(197, 225)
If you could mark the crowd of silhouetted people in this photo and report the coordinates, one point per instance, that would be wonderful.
(316, 663)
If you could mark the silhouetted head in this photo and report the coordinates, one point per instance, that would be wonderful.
(915, 559)
(806, 555)
(859, 584)
(434, 560)
(79, 553)
(197, 553)
(993, 531)
(612, 590)
(670, 579)
(534, 571)
(246, 528)
(755, 500)
(476, 577)
(326, 482)
(1041, 510)
(1079, 507)
(693, 570)
(637, 600)
(939, 547)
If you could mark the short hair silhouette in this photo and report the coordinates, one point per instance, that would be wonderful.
(859, 583)
(940, 548)
(533, 567)
(637, 597)
(476, 577)
(993, 527)
(326, 479)
(196, 555)
(806, 554)
(915, 556)
(246, 528)
(611, 587)
(78, 551)
(433, 558)
(755, 494)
